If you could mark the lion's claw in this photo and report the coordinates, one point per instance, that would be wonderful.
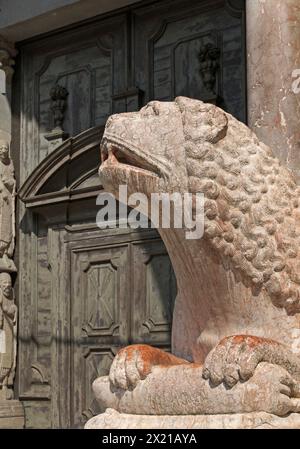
(234, 359)
(135, 363)
(129, 367)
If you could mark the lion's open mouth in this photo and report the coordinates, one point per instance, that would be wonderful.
(113, 154)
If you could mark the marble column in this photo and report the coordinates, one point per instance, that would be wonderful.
(11, 409)
(273, 64)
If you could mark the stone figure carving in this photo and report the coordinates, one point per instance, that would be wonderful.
(8, 309)
(236, 323)
(8, 323)
(7, 208)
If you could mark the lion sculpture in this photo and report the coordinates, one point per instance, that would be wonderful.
(236, 323)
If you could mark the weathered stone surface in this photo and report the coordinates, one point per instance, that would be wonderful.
(238, 287)
(273, 57)
(112, 419)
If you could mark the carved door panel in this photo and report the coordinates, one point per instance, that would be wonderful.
(122, 292)
(194, 49)
(154, 292)
(100, 295)
(90, 63)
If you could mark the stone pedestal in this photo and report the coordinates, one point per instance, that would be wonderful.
(112, 419)
(273, 60)
(11, 415)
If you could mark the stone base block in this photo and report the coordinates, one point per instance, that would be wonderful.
(11, 415)
(112, 419)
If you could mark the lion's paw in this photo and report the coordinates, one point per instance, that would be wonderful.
(235, 358)
(272, 390)
(134, 363)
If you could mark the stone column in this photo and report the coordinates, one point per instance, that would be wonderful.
(7, 54)
(273, 60)
(11, 410)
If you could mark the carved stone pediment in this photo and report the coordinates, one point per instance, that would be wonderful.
(66, 175)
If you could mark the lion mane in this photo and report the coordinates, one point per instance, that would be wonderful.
(252, 215)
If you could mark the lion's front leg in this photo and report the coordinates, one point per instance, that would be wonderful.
(235, 359)
(181, 390)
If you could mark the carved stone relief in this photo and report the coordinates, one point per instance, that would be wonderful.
(8, 308)
(7, 208)
(8, 325)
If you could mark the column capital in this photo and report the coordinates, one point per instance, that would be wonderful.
(7, 55)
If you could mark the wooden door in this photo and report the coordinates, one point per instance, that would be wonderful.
(122, 292)
(100, 317)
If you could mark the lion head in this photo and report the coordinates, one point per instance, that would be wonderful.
(252, 216)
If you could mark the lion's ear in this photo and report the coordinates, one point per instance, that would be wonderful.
(202, 121)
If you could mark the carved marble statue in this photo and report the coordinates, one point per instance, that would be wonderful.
(8, 323)
(7, 205)
(236, 323)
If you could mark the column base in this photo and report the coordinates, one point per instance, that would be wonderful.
(11, 415)
(112, 419)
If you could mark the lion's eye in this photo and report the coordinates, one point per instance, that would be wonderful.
(156, 108)
(152, 108)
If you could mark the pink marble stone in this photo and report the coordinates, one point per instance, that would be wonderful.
(273, 53)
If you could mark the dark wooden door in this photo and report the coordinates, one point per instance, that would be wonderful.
(83, 293)
(122, 292)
